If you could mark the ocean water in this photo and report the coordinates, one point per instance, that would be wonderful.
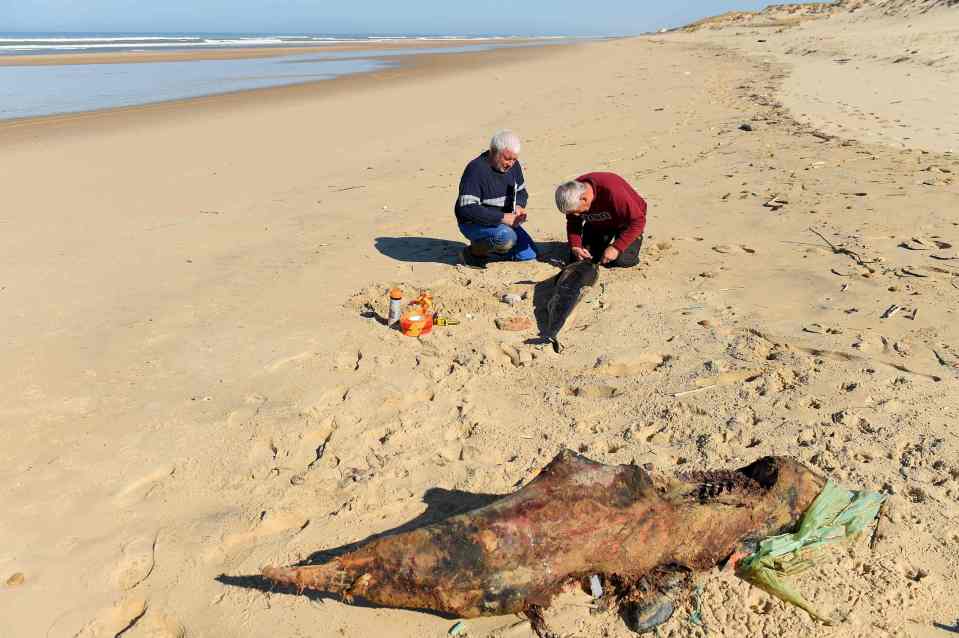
(40, 43)
(30, 91)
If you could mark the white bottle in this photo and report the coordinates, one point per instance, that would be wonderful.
(396, 302)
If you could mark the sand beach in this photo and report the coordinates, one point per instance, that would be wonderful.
(195, 383)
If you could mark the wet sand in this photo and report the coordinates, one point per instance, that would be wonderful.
(126, 57)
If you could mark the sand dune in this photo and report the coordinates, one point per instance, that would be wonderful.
(794, 14)
(777, 15)
(877, 71)
(897, 7)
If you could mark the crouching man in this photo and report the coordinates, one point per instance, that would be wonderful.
(491, 205)
(605, 219)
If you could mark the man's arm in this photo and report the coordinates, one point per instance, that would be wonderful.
(522, 195)
(635, 207)
(469, 203)
(574, 231)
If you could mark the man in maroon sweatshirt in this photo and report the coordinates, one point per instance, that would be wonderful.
(605, 219)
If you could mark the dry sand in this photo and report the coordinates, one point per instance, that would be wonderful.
(878, 77)
(191, 390)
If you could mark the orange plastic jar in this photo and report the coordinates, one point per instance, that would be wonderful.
(417, 323)
(417, 319)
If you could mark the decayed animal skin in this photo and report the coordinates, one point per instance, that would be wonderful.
(575, 519)
(571, 284)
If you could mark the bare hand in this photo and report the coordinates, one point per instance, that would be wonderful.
(520, 218)
(610, 254)
(509, 219)
(581, 253)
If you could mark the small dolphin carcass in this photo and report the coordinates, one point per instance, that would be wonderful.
(571, 284)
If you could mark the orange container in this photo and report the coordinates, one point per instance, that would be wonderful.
(416, 324)
(417, 319)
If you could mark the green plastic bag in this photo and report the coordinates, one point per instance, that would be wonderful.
(835, 515)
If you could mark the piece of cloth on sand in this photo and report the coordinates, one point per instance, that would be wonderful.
(513, 244)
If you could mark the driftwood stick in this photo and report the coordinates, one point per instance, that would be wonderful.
(876, 535)
(839, 250)
(680, 395)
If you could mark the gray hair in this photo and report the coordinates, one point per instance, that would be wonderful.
(568, 196)
(505, 140)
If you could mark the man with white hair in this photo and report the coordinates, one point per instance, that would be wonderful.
(605, 219)
(491, 205)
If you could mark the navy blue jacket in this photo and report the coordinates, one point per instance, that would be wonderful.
(486, 194)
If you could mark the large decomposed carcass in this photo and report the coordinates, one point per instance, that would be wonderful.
(640, 534)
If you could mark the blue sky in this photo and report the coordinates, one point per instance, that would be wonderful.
(600, 17)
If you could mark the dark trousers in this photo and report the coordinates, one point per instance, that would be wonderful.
(596, 241)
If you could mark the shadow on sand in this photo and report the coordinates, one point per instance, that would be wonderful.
(542, 292)
(445, 251)
(420, 249)
(440, 505)
(555, 254)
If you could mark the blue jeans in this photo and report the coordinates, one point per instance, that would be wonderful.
(514, 244)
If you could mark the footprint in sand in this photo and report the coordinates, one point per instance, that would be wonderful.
(347, 360)
(116, 620)
(517, 356)
(729, 378)
(630, 365)
(597, 391)
(749, 347)
(726, 249)
(271, 524)
(261, 456)
(399, 401)
(325, 398)
(141, 488)
(156, 624)
(137, 562)
(16, 580)
(241, 417)
(279, 364)
(300, 450)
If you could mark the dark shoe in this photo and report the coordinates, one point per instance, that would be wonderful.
(471, 260)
